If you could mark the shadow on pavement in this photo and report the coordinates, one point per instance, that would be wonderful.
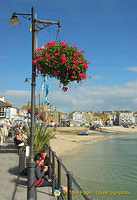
(14, 171)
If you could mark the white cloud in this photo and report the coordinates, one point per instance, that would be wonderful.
(133, 69)
(96, 98)
(16, 98)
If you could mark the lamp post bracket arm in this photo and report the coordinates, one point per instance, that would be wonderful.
(46, 22)
(21, 14)
(44, 26)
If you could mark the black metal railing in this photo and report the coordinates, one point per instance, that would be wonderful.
(55, 166)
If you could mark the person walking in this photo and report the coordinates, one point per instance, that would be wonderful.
(3, 134)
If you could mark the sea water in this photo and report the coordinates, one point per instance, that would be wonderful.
(108, 170)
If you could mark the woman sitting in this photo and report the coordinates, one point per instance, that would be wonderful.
(40, 179)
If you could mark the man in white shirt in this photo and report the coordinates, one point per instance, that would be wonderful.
(3, 134)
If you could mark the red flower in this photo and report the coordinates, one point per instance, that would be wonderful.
(39, 68)
(64, 59)
(40, 49)
(34, 61)
(55, 73)
(76, 66)
(40, 58)
(50, 44)
(48, 56)
(73, 61)
(64, 89)
(56, 54)
(85, 65)
(80, 60)
(64, 44)
(75, 47)
(82, 75)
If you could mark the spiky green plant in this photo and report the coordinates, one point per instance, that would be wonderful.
(42, 136)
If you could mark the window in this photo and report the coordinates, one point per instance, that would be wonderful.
(2, 112)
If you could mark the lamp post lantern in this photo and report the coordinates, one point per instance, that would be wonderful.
(31, 191)
(27, 80)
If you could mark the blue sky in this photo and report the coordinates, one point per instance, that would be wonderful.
(105, 29)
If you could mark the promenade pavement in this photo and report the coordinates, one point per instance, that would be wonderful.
(13, 186)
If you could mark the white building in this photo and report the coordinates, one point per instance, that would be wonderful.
(7, 111)
(125, 117)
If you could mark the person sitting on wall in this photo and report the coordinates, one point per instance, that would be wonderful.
(40, 181)
(44, 161)
(18, 140)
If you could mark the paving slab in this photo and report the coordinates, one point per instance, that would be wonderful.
(13, 186)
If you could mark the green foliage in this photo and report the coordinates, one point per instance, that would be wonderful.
(42, 136)
(36, 111)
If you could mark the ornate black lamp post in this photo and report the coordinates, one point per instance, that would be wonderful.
(37, 25)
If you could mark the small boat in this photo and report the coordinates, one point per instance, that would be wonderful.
(83, 133)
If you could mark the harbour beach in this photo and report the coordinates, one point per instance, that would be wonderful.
(67, 142)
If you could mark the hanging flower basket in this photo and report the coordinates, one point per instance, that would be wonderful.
(61, 61)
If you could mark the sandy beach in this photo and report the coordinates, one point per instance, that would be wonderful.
(67, 142)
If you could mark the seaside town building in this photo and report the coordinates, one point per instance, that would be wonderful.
(9, 113)
(125, 117)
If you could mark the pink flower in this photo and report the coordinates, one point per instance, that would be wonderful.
(76, 66)
(72, 76)
(64, 44)
(64, 89)
(75, 47)
(50, 44)
(82, 75)
(79, 52)
(56, 54)
(69, 66)
(85, 65)
(76, 54)
(80, 60)
(40, 58)
(34, 62)
(72, 67)
(48, 56)
(38, 55)
(64, 59)
(39, 68)
(73, 61)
